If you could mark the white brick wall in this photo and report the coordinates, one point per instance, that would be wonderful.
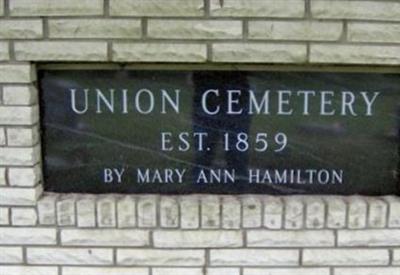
(197, 234)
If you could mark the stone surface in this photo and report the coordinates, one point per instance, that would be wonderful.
(106, 211)
(3, 180)
(194, 29)
(294, 213)
(46, 207)
(86, 211)
(66, 210)
(2, 142)
(4, 51)
(19, 115)
(169, 212)
(369, 237)
(210, 212)
(315, 213)
(1, 7)
(126, 212)
(4, 216)
(377, 213)
(373, 32)
(21, 29)
(69, 270)
(357, 212)
(396, 257)
(31, 270)
(13, 73)
(70, 256)
(222, 271)
(20, 95)
(23, 136)
(24, 216)
(190, 212)
(336, 212)
(20, 196)
(286, 271)
(11, 255)
(368, 271)
(231, 212)
(19, 236)
(394, 211)
(147, 211)
(177, 271)
(345, 257)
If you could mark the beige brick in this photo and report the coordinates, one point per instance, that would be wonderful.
(31, 270)
(66, 210)
(20, 95)
(295, 30)
(394, 211)
(3, 180)
(357, 212)
(169, 212)
(190, 212)
(256, 8)
(21, 29)
(157, 8)
(70, 256)
(86, 211)
(254, 257)
(104, 271)
(13, 73)
(29, 176)
(273, 238)
(23, 136)
(252, 211)
(27, 235)
(368, 271)
(259, 52)
(11, 255)
(286, 271)
(147, 211)
(2, 143)
(20, 196)
(377, 213)
(345, 257)
(231, 212)
(24, 216)
(159, 52)
(315, 213)
(177, 271)
(355, 54)
(197, 238)
(55, 7)
(396, 256)
(210, 212)
(374, 32)
(369, 237)
(4, 52)
(273, 212)
(106, 212)
(370, 10)
(95, 28)
(4, 216)
(104, 237)
(126, 212)
(47, 209)
(222, 271)
(336, 212)
(294, 215)
(61, 51)
(195, 29)
(19, 115)
(160, 257)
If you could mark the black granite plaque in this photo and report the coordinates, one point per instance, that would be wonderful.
(126, 131)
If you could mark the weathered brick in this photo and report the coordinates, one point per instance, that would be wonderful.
(259, 52)
(160, 257)
(369, 237)
(126, 212)
(177, 271)
(104, 270)
(32, 270)
(55, 7)
(70, 256)
(4, 216)
(21, 29)
(66, 210)
(47, 209)
(256, 8)
(357, 212)
(368, 271)
(86, 211)
(159, 52)
(222, 271)
(3, 180)
(61, 51)
(27, 235)
(20, 196)
(19, 95)
(210, 212)
(377, 213)
(12, 73)
(106, 212)
(94, 28)
(195, 29)
(315, 213)
(197, 238)
(396, 256)
(272, 238)
(147, 211)
(370, 10)
(29, 176)
(394, 211)
(373, 32)
(345, 257)
(23, 136)
(254, 257)
(252, 211)
(2, 143)
(231, 212)
(11, 255)
(104, 237)
(336, 212)
(19, 115)
(190, 212)
(4, 51)
(354, 54)
(157, 8)
(295, 30)
(169, 212)
(23, 216)
(294, 213)
(286, 271)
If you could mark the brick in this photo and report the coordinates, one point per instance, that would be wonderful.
(95, 28)
(396, 257)
(159, 52)
(104, 237)
(4, 216)
(1, 7)
(373, 32)
(368, 271)
(357, 212)
(69, 256)
(19, 115)
(231, 212)
(169, 212)
(254, 257)
(252, 212)
(315, 213)
(11, 255)
(259, 52)
(104, 271)
(286, 271)
(294, 213)
(31, 270)
(177, 271)
(160, 257)
(370, 237)
(29, 176)
(20, 196)
(21, 29)
(20, 95)
(86, 211)
(126, 212)
(195, 29)
(156, 8)
(377, 213)
(12, 73)
(4, 51)
(24, 216)
(370, 10)
(61, 51)
(222, 271)
(272, 238)
(27, 235)
(256, 8)
(55, 7)
(197, 238)
(336, 212)
(106, 212)
(210, 212)
(190, 212)
(354, 54)
(66, 210)
(46, 207)
(2, 142)
(147, 211)
(394, 211)
(3, 180)
(23, 136)
(345, 257)
(295, 30)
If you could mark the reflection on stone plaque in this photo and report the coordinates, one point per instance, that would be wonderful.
(180, 132)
